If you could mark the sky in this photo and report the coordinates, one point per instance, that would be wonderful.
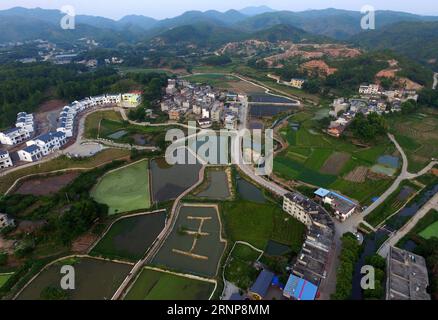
(116, 9)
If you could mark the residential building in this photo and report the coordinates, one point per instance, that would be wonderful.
(339, 105)
(342, 207)
(5, 160)
(5, 221)
(31, 153)
(26, 122)
(407, 276)
(49, 142)
(174, 114)
(300, 289)
(230, 122)
(369, 89)
(260, 288)
(132, 99)
(299, 207)
(297, 83)
(14, 136)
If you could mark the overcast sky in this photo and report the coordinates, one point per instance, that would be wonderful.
(170, 8)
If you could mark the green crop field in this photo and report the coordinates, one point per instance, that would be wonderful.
(4, 278)
(430, 232)
(418, 136)
(124, 190)
(242, 223)
(156, 285)
(309, 158)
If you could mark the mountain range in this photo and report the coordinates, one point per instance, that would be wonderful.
(404, 32)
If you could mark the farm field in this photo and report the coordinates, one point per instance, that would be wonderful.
(4, 278)
(95, 279)
(168, 182)
(125, 189)
(417, 134)
(217, 187)
(239, 269)
(431, 230)
(242, 223)
(63, 162)
(156, 285)
(195, 245)
(393, 203)
(130, 237)
(323, 161)
(43, 186)
(418, 233)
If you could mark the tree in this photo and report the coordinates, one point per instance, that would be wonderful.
(409, 107)
(52, 293)
(3, 259)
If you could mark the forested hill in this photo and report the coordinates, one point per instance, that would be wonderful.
(417, 40)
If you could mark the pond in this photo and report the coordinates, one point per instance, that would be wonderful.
(217, 186)
(407, 213)
(168, 182)
(268, 110)
(267, 98)
(249, 192)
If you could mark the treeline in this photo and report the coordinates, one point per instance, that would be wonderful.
(23, 87)
(429, 250)
(350, 254)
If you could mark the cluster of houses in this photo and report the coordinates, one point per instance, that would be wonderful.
(372, 99)
(45, 144)
(207, 105)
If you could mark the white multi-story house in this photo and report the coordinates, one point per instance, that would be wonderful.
(5, 160)
(14, 136)
(31, 153)
(299, 207)
(26, 122)
(49, 142)
(370, 89)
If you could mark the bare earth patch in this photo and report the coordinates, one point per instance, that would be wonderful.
(335, 163)
(83, 243)
(358, 175)
(47, 185)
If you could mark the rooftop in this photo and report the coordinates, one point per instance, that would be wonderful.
(407, 276)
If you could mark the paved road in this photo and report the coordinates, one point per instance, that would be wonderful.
(397, 236)
(435, 80)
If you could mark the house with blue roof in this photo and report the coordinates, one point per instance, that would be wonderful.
(300, 289)
(31, 153)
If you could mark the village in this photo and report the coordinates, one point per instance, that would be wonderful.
(208, 106)
(372, 99)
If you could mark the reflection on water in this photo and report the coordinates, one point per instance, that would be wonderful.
(249, 191)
